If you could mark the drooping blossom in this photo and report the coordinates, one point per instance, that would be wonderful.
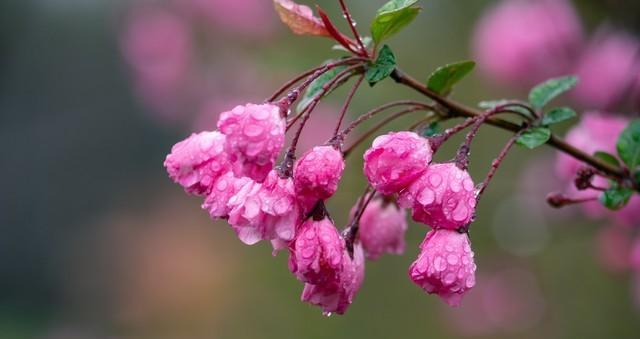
(443, 197)
(196, 162)
(445, 265)
(265, 211)
(223, 189)
(336, 296)
(157, 45)
(523, 42)
(607, 70)
(316, 175)
(255, 135)
(382, 228)
(395, 160)
(317, 252)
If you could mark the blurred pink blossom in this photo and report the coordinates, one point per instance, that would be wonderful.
(596, 131)
(526, 41)
(607, 69)
(157, 45)
(249, 17)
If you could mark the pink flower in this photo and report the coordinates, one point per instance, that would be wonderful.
(336, 296)
(596, 131)
(196, 162)
(255, 133)
(395, 160)
(265, 211)
(630, 214)
(443, 197)
(157, 45)
(607, 70)
(445, 266)
(316, 175)
(223, 189)
(317, 252)
(524, 42)
(382, 228)
(250, 17)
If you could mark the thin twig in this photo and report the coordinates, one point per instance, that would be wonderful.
(347, 102)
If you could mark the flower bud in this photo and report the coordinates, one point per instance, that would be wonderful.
(443, 197)
(445, 265)
(382, 228)
(336, 296)
(316, 175)
(265, 211)
(395, 160)
(255, 135)
(196, 162)
(224, 188)
(316, 253)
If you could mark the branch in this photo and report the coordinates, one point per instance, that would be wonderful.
(456, 109)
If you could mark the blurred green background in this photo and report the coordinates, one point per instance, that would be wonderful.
(98, 243)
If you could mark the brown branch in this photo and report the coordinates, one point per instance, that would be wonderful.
(457, 109)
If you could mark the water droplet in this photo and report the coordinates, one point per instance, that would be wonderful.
(440, 264)
(452, 259)
(327, 314)
(252, 130)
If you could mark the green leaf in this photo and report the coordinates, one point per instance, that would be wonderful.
(442, 80)
(430, 130)
(392, 17)
(616, 197)
(316, 85)
(629, 145)
(608, 158)
(534, 137)
(557, 115)
(542, 94)
(383, 67)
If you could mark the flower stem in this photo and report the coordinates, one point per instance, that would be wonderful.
(347, 103)
(354, 30)
(495, 164)
(377, 127)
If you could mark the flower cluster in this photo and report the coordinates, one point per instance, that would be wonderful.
(233, 168)
(442, 196)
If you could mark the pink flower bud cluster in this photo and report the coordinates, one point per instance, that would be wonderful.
(319, 259)
(233, 168)
(442, 196)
